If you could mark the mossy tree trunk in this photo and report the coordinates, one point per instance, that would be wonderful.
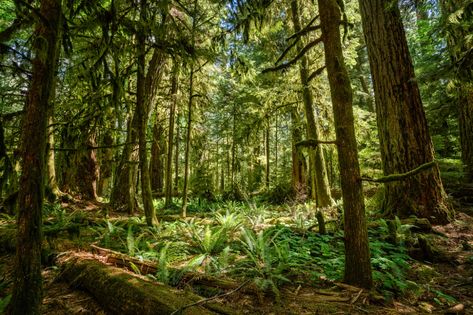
(158, 148)
(402, 126)
(466, 129)
(172, 115)
(456, 35)
(185, 189)
(142, 114)
(299, 168)
(357, 253)
(27, 287)
(317, 169)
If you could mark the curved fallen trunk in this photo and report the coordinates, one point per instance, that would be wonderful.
(123, 293)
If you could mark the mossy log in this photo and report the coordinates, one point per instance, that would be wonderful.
(121, 292)
(195, 279)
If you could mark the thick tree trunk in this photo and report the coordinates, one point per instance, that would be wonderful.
(27, 287)
(357, 253)
(403, 133)
(142, 113)
(172, 115)
(317, 168)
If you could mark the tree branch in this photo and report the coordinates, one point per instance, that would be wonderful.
(304, 31)
(397, 177)
(316, 73)
(296, 58)
(305, 28)
(314, 143)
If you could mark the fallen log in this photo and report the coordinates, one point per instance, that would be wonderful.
(121, 292)
(190, 278)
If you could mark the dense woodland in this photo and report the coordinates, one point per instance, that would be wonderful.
(242, 156)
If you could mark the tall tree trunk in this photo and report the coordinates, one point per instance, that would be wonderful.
(299, 168)
(176, 155)
(188, 144)
(189, 118)
(51, 160)
(458, 46)
(27, 287)
(403, 133)
(106, 162)
(317, 168)
(123, 191)
(142, 112)
(156, 167)
(172, 114)
(357, 252)
(267, 153)
(86, 171)
(466, 129)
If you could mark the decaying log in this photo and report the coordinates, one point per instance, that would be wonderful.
(191, 278)
(124, 293)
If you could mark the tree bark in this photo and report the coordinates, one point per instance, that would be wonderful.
(142, 111)
(466, 129)
(267, 153)
(122, 293)
(317, 169)
(357, 252)
(27, 287)
(172, 115)
(299, 168)
(189, 118)
(456, 34)
(156, 167)
(402, 127)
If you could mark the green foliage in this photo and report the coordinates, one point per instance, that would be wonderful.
(265, 261)
(390, 262)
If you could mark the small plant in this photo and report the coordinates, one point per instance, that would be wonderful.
(265, 260)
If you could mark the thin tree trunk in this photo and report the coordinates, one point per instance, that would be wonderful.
(188, 144)
(158, 148)
(51, 161)
(466, 129)
(27, 281)
(402, 126)
(318, 172)
(299, 168)
(267, 151)
(142, 113)
(176, 155)
(172, 114)
(357, 252)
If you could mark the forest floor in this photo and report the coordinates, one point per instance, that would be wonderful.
(441, 286)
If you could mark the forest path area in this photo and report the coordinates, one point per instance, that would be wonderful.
(445, 285)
